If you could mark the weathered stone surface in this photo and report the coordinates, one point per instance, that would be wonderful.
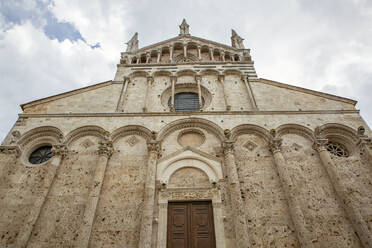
(126, 154)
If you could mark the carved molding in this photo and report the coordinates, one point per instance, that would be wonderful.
(132, 130)
(87, 131)
(10, 150)
(44, 131)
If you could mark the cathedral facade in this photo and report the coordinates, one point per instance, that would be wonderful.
(187, 147)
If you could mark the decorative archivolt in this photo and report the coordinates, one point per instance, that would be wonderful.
(338, 130)
(189, 123)
(53, 134)
(186, 73)
(232, 72)
(87, 131)
(139, 74)
(132, 130)
(161, 73)
(295, 129)
(250, 129)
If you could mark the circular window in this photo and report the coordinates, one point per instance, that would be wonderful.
(337, 149)
(40, 155)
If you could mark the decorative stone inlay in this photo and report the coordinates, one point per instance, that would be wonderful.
(191, 137)
(250, 145)
(87, 143)
(187, 194)
(133, 140)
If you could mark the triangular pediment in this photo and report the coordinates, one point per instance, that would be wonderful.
(193, 150)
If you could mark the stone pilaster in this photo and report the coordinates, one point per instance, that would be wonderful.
(198, 81)
(241, 229)
(173, 82)
(121, 102)
(59, 152)
(354, 215)
(150, 80)
(153, 148)
(105, 151)
(304, 236)
(250, 92)
(221, 78)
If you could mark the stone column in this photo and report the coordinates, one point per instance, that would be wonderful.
(171, 52)
(148, 56)
(365, 145)
(159, 55)
(304, 236)
(198, 81)
(163, 218)
(173, 82)
(105, 151)
(138, 59)
(250, 92)
(222, 54)
(211, 53)
(354, 215)
(59, 152)
(185, 50)
(199, 52)
(240, 224)
(148, 85)
(153, 148)
(221, 78)
(121, 102)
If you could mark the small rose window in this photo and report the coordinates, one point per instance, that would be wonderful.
(337, 149)
(40, 155)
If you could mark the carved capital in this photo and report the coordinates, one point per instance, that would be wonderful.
(105, 148)
(10, 150)
(150, 79)
(320, 144)
(59, 150)
(198, 78)
(228, 147)
(221, 78)
(275, 145)
(153, 147)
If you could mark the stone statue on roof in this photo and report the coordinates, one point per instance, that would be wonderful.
(236, 40)
(184, 28)
(132, 44)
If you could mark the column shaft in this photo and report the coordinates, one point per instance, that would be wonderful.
(241, 229)
(221, 78)
(148, 84)
(149, 200)
(159, 56)
(199, 52)
(352, 211)
(173, 82)
(198, 81)
(211, 54)
(304, 236)
(105, 151)
(171, 53)
(59, 152)
(185, 50)
(121, 102)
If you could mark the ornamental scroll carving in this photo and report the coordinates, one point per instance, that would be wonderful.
(105, 148)
(10, 150)
(187, 194)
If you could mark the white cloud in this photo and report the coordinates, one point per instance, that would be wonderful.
(322, 46)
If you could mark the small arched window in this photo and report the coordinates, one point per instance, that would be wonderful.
(186, 102)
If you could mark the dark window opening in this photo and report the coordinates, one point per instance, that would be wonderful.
(186, 102)
(40, 155)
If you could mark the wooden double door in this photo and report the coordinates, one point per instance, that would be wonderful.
(190, 225)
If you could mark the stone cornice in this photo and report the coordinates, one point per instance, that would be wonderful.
(189, 114)
(308, 91)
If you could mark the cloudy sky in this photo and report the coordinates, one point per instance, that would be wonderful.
(51, 46)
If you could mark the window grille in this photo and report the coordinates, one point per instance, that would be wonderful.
(186, 102)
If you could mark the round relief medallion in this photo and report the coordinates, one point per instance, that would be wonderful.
(191, 137)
